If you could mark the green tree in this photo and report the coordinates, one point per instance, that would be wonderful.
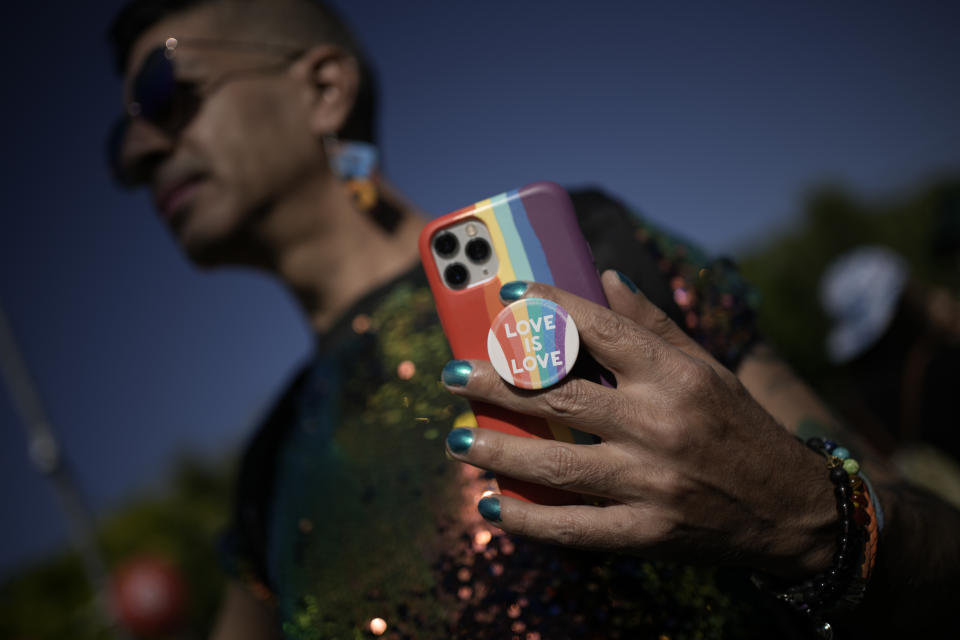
(786, 268)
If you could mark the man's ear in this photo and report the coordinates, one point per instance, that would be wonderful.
(331, 78)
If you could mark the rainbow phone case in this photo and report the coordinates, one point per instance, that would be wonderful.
(535, 237)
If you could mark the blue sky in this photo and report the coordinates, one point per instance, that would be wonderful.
(714, 120)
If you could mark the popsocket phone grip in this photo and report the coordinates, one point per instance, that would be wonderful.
(533, 343)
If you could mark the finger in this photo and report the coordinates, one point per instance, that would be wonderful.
(616, 342)
(627, 299)
(613, 527)
(596, 470)
(574, 402)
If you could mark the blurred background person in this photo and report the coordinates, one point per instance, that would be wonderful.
(897, 341)
(897, 338)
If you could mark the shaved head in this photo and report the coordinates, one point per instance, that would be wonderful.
(295, 23)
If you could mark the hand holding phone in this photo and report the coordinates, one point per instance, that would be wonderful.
(531, 235)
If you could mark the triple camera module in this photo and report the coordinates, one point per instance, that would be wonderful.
(463, 254)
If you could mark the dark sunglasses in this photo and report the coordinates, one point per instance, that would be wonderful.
(167, 103)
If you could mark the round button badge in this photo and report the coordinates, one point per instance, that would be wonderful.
(533, 343)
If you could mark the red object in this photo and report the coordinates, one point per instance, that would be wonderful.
(148, 595)
(542, 227)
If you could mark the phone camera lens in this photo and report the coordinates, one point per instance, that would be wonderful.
(445, 244)
(478, 250)
(456, 275)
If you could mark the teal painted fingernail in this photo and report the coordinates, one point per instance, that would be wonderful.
(489, 508)
(456, 373)
(512, 290)
(460, 439)
(627, 281)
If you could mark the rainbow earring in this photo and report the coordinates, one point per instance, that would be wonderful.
(355, 163)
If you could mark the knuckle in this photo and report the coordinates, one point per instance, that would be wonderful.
(567, 399)
(676, 489)
(675, 441)
(561, 467)
(647, 347)
(490, 449)
(570, 531)
(696, 376)
(485, 380)
(621, 410)
(642, 342)
(610, 329)
(660, 322)
(519, 521)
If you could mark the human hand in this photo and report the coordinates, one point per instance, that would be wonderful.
(689, 467)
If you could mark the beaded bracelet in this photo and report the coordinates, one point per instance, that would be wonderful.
(867, 512)
(843, 585)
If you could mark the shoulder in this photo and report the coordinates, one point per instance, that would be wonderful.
(608, 223)
(706, 296)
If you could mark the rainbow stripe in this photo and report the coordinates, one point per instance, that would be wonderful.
(521, 256)
(515, 243)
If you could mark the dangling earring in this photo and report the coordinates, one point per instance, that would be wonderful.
(355, 163)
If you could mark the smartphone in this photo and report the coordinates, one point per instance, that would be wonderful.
(529, 234)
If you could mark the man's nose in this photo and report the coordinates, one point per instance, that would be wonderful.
(144, 146)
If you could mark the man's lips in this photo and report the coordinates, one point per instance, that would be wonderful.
(171, 199)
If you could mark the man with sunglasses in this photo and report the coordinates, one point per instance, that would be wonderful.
(252, 124)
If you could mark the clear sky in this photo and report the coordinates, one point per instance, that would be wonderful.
(712, 118)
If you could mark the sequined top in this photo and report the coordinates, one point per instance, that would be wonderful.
(354, 524)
